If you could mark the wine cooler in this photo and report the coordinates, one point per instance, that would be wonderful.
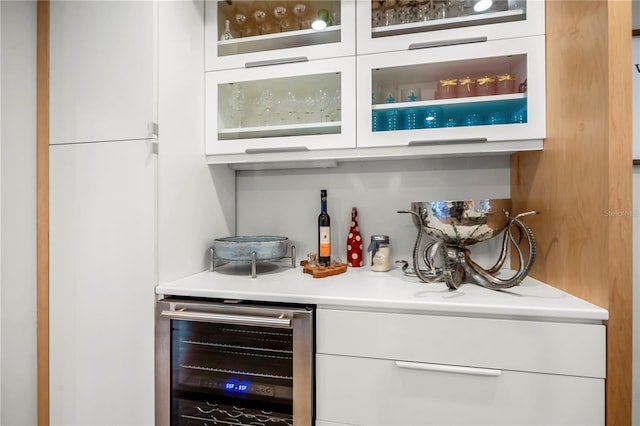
(233, 363)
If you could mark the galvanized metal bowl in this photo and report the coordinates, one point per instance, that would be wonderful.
(241, 248)
(464, 222)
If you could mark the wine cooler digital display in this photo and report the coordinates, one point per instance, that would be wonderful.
(234, 364)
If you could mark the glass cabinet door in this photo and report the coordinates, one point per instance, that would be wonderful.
(301, 106)
(240, 33)
(491, 91)
(386, 25)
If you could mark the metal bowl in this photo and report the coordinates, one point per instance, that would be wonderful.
(242, 247)
(462, 223)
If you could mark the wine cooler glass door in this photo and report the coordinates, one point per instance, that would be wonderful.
(228, 367)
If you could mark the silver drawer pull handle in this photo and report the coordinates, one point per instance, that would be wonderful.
(454, 369)
(228, 319)
(279, 61)
(269, 150)
(452, 42)
(447, 142)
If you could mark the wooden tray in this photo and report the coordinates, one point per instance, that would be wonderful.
(327, 271)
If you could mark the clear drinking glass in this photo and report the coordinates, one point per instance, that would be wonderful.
(422, 11)
(390, 13)
(405, 11)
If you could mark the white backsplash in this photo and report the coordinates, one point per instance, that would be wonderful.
(287, 202)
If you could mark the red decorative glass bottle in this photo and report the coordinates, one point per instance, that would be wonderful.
(354, 242)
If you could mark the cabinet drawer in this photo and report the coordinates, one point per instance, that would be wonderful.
(365, 391)
(535, 346)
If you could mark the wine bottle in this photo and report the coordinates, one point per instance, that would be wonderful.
(354, 242)
(324, 231)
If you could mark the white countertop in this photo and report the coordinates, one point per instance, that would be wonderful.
(361, 288)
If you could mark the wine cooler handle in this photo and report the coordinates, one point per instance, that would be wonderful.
(452, 42)
(455, 369)
(280, 61)
(228, 319)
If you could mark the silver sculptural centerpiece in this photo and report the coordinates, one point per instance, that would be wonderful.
(452, 226)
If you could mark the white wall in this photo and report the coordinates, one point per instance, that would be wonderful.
(287, 203)
(18, 218)
(184, 178)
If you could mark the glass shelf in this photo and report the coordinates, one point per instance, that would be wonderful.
(451, 102)
(449, 23)
(303, 129)
(277, 41)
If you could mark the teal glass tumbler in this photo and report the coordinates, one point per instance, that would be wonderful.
(411, 118)
(519, 116)
(377, 121)
(392, 119)
(451, 122)
(432, 118)
(472, 119)
(497, 117)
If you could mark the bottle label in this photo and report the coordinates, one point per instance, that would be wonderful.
(325, 241)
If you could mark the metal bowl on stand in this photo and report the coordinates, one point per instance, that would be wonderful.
(250, 249)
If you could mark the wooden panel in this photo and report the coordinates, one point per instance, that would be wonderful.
(620, 242)
(43, 212)
(581, 181)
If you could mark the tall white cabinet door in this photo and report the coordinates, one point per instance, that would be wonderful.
(102, 65)
(102, 278)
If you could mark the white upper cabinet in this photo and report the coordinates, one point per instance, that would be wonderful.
(101, 71)
(435, 81)
(247, 33)
(384, 26)
(471, 93)
(294, 107)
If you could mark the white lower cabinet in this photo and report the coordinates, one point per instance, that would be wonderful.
(392, 369)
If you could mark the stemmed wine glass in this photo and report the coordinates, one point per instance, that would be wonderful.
(309, 108)
(282, 14)
(322, 101)
(236, 103)
(243, 20)
(263, 19)
(290, 103)
(301, 9)
(266, 101)
(335, 106)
